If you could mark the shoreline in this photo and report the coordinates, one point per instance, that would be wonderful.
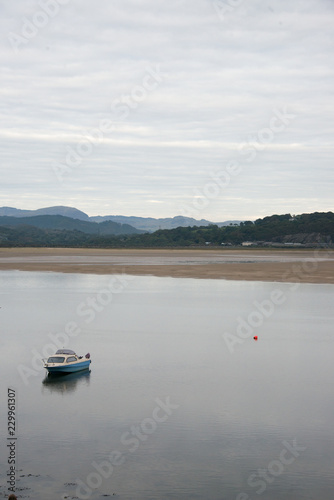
(302, 266)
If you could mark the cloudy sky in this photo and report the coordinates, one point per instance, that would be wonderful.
(207, 108)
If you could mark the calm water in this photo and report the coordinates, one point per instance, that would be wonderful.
(180, 402)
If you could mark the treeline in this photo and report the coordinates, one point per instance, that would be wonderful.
(314, 229)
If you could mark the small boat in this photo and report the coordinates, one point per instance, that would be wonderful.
(66, 361)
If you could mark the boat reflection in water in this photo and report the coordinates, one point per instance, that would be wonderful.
(60, 382)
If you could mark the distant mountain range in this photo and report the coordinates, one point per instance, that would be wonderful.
(146, 224)
(59, 222)
(65, 211)
(314, 230)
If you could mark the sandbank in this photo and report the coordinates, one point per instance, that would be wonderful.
(303, 266)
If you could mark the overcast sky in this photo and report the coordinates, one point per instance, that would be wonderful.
(207, 108)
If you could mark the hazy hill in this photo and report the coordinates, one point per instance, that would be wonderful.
(74, 213)
(143, 223)
(60, 222)
(151, 224)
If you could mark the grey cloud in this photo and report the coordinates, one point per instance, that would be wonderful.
(222, 81)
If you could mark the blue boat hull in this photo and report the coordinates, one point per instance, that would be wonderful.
(70, 368)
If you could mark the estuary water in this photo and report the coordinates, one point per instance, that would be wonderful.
(180, 401)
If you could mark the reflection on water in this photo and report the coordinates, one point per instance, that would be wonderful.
(59, 382)
(168, 411)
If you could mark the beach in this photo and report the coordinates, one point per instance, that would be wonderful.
(287, 265)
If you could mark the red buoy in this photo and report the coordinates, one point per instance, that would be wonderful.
(255, 337)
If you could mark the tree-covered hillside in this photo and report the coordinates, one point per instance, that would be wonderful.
(60, 222)
(316, 229)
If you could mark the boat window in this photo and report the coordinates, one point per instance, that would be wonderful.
(56, 359)
(70, 359)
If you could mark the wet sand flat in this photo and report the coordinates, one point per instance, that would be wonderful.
(303, 266)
